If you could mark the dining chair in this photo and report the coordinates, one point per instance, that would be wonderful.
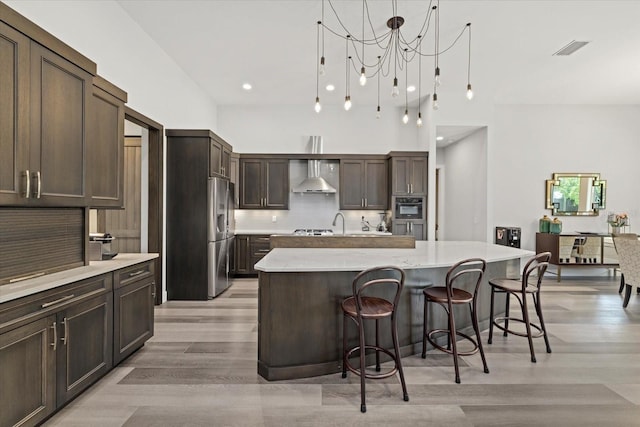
(629, 259)
(615, 236)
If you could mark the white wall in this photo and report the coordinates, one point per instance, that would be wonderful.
(286, 129)
(464, 186)
(127, 57)
(530, 142)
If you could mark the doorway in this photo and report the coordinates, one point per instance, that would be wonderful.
(139, 226)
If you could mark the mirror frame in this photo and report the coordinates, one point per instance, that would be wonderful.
(595, 208)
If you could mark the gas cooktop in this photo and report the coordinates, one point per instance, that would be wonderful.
(313, 232)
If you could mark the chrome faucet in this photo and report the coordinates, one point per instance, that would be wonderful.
(335, 219)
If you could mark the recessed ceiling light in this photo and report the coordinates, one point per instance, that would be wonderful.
(330, 87)
(246, 86)
(439, 138)
(411, 88)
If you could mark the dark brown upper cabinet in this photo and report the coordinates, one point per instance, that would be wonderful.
(363, 184)
(219, 157)
(43, 117)
(409, 174)
(106, 145)
(264, 183)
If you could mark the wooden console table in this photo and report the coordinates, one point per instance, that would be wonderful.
(578, 250)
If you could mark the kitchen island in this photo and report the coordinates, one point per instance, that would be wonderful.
(300, 291)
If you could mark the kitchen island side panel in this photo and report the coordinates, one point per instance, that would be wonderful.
(300, 319)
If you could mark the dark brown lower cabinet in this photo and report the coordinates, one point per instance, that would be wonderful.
(28, 380)
(133, 317)
(56, 343)
(84, 345)
(249, 249)
(418, 229)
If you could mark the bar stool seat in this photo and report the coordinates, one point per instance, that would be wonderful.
(361, 307)
(447, 296)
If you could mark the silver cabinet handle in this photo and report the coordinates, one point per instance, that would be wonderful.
(49, 304)
(27, 186)
(366, 203)
(37, 191)
(153, 291)
(137, 273)
(65, 338)
(408, 188)
(31, 276)
(54, 344)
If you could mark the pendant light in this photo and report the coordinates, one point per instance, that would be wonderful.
(469, 91)
(378, 114)
(318, 106)
(437, 80)
(322, 70)
(363, 75)
(347, 97)
(405, 118)
(419, 120)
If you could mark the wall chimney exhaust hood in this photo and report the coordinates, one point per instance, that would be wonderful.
(314, 183)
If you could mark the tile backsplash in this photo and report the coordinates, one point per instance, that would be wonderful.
(306, 210)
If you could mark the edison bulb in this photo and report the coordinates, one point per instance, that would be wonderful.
(419, 121)
(405, 118)
(437, 77)
(322, 71)
(363, 77)
(347, 103)
(435, 101)
(318, 107)
(469, 92)
(378, 114)
(395, 91)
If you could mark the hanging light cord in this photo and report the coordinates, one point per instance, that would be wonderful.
(469, 61)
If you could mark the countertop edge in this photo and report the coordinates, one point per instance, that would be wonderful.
(25, 288)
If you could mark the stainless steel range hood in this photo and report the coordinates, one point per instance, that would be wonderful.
(314, 183)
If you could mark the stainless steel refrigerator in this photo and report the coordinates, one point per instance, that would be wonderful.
(220, 231)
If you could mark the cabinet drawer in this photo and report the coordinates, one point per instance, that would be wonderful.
(24, 310)
(134, 273)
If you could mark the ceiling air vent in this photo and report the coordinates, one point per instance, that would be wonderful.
(570, 48)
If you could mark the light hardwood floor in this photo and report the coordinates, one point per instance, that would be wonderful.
(200, 370)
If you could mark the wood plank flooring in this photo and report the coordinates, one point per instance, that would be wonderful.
(200, 370)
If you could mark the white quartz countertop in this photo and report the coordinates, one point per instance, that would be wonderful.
(49, 281)
(348, 232)
(427, 254)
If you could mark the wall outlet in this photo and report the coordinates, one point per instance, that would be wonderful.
(274, 218)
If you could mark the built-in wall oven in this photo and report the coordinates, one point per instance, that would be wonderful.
(409, 207)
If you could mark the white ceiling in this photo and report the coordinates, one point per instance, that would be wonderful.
(272, 44)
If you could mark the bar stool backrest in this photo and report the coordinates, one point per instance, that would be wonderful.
(376, 281)
(537, 264)
(462, 269)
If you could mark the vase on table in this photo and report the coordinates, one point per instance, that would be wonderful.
(616, 229)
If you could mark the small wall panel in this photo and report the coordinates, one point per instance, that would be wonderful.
(40, 241)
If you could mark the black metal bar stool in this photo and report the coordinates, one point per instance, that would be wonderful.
(520, 288)
(447, 296)
(363, 305)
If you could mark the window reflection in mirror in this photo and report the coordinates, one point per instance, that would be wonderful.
(575, 194)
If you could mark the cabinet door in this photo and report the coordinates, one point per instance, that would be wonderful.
(352, 184)
(133, 317)
(250, 184)
(242, 255)
(14, 118)
(410, 228)
(375, 182)
(276, 185)
(260, 246)
(418, 175)
(226, 163)
(400, 175)
(106, 150)
(60, 95)
(85, 346)
(215, 158)
(27, 383)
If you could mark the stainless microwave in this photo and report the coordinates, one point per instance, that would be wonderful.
(409, 208)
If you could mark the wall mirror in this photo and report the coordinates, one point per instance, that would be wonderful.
(576, 194)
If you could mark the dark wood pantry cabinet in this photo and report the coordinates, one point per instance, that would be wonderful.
(363, 184)
(264, 183)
